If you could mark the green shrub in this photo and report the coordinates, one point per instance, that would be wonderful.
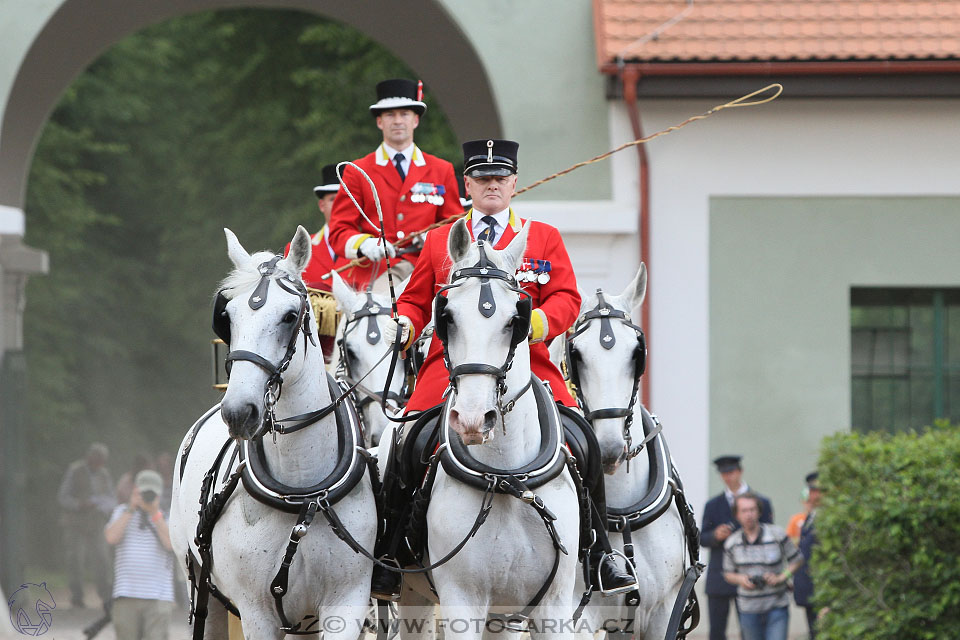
(888, 561)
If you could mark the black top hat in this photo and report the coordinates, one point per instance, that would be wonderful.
(330, 182)
(399, 93)
(811, 480)
(727, 463)
(490, 158)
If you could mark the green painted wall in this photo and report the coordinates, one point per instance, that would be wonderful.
(780, 276)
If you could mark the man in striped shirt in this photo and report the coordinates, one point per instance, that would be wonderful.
(143, 568)
(760, 559)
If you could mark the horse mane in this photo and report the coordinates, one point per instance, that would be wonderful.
(248, 276)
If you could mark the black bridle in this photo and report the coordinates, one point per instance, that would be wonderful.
(370, 311)
(604, 312)
(485, 271)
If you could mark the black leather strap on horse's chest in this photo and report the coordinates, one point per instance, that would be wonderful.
(261, 485)
(660, 488)
(547, 465)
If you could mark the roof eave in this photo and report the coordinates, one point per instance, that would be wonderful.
(791, 67)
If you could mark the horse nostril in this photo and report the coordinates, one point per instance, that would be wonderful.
(253, 414)
(454, 418)
(489, 420)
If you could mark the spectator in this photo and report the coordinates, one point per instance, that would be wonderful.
(717, 525)
(802, 582)
(760, 559)
(86, 498)
(796, 520)
(143, 597)
(141, 461)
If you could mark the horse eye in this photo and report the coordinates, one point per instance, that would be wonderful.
(290, 317)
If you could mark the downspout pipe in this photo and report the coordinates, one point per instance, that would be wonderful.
(630, 77)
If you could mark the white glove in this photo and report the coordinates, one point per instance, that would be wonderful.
(372, 248)
(389, 330)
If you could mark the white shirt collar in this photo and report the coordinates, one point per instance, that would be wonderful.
(386, 153)
(477, 224)
(731, 495)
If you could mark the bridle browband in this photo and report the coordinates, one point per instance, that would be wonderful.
(604, 312)
(370, 311)
(486, 304)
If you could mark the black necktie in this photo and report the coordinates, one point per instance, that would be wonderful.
(489, 234)
(398, 163)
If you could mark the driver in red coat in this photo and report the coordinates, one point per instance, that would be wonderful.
(490, 175)
(415, 188)
(546, 274)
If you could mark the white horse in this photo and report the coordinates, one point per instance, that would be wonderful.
(511, 556)
(607, 379)
(360, 352)
(326, 579)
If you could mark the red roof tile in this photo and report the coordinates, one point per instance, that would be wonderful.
(776, 30)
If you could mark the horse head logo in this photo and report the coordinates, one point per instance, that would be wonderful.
(30, 608)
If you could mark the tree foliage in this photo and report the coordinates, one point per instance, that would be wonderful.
(888, 561)
(219, 119)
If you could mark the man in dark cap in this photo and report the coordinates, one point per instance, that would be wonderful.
(802, 581)
(415, 188)
(490, 176)
(718, 523)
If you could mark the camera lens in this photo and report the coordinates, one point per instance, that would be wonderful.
(148, 495)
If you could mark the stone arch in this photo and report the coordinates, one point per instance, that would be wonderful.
(80, 30)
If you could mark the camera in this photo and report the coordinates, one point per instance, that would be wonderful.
(758, 581)
(148, 496)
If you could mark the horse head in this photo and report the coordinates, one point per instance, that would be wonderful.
(483, 323)
(260, 310)
(605, 358)
(360, 353)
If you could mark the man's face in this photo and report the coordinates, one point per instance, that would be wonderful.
(397, 126)
(748, 513)
(814, 498)
(325, 204)
(732, 478)
(491, 194)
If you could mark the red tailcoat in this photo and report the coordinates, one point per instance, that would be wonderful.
(401, 214)
(558, 299)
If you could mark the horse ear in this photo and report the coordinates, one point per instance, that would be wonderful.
(459, 241)
(299, 256)
(345, 295)
(513, 253)
(238, 255)
(584, 297)
(401, 286)
(636, 291)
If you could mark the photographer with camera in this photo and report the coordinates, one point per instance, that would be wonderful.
(760, 560)
(143, 597)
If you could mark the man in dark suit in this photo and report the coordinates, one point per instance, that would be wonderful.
(802, 582)
(718, 523)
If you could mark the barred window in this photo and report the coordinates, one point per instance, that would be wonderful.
(905, 357)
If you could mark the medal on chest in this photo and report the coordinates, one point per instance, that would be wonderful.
(533, 270)
(428, 192)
